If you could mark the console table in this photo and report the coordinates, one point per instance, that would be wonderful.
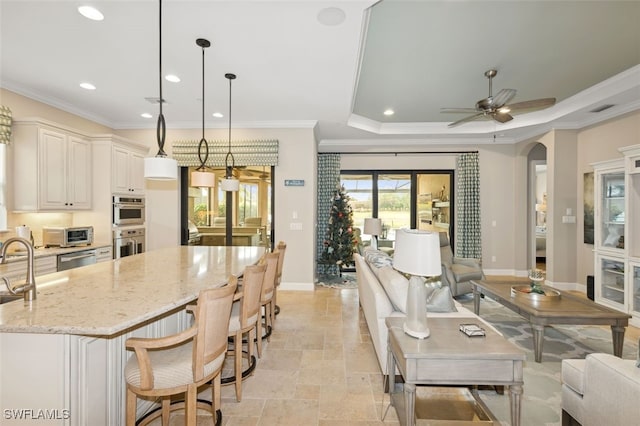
(449, 357)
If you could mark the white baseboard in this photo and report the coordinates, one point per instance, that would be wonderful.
(296, 286)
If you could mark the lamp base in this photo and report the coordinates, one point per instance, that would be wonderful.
(420, 334)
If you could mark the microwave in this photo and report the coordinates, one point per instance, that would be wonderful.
(128, 210)
(61, 236)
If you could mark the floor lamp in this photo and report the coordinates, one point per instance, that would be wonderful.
(417, 253)
(373, 227)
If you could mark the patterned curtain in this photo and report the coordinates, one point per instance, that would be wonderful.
(328, 180)
(468, 241)
(5, 125)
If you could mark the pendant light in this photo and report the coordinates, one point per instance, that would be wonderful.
(160, 167)
(201, 177)
(229, 183)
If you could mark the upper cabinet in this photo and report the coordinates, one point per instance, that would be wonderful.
(52, 168)
(127, 176)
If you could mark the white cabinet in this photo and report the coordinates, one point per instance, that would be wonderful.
(104, 254)
(127, 176)
(52, 168)
(16, 271)
(617, 232)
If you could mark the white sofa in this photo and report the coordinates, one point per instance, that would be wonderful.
(377, 304)
(601, 389)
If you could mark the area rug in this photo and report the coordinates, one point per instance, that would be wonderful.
(541, 399)
(347, 280)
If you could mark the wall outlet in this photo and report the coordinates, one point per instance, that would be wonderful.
(568, 219)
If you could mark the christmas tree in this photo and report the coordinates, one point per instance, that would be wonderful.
(339, 241)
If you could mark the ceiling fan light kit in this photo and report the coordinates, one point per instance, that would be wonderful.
(497, 107)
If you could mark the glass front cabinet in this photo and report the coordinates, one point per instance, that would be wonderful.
(617, 232)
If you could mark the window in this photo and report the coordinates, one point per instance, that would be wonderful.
(248, 201)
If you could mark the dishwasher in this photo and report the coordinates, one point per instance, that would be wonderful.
(76, 259)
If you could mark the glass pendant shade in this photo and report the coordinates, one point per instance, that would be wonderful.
(203, 179)
(160, 168)
(230, 184)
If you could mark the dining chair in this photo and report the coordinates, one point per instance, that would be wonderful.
(183, 362)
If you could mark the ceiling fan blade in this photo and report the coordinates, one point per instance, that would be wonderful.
(533, 104)
(501, 117)
(458, 110)
(468, 118)
(503, 97)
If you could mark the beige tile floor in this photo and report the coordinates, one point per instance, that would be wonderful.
(318, 369)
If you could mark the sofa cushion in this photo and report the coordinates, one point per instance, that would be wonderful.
(395, 285)
(441, 300)
(573, 374)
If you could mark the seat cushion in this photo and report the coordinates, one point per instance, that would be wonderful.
(396, 286)
(573, 374)
(171, 367)
(465, 273)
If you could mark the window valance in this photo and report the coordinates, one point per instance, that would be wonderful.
(5, 125)
(245, 152)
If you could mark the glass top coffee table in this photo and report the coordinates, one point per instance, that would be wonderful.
(565, 309)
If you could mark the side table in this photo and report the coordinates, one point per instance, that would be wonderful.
(449, 357)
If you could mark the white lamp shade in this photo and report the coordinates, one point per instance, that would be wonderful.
(372, 226)
(160, 168)
(229, 184)
(417, 253)
(203, 179)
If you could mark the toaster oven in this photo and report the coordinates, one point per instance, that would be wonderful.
(62, 236)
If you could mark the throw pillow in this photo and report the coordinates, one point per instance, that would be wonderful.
(441, 300)
(396, 286)
(377, 259)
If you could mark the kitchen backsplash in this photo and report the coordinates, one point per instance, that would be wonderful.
(36, 221)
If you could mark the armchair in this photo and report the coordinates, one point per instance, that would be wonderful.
(457, 272)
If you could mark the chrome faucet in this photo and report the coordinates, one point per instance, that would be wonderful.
(28, 289)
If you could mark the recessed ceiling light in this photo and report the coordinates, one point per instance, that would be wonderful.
(146, 115)
(331, 16)
(91, 13)
(388, 111)
(218, 115)
(88, 86)
(172, 78)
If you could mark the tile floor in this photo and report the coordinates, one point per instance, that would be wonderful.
(318, 369)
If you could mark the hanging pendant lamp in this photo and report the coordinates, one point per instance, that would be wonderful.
(160, 167)
(201, 177)
(229, 183)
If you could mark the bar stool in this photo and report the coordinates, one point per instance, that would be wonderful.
(281, 247)
(266, 298)
(245, 316)
(182, 362)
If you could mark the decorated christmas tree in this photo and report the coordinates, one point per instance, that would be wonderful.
(338, 242)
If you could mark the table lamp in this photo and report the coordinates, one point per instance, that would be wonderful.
(417, 253)
(373, 227)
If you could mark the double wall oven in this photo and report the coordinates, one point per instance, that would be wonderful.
(128, 226)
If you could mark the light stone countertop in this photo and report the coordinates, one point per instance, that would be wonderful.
(109, 297)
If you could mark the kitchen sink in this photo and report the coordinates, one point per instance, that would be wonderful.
(8, 297)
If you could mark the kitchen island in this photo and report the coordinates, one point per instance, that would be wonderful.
(62, 356)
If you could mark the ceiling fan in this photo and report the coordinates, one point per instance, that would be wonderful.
(497, 107)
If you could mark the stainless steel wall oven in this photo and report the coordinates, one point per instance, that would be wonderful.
(128, 241)
(128, 210)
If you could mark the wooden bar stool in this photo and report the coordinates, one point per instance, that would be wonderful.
(182, 362)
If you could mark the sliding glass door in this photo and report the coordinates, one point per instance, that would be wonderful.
(402, 199)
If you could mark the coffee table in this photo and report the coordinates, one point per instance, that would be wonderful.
(449, 357)
(566, 309)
